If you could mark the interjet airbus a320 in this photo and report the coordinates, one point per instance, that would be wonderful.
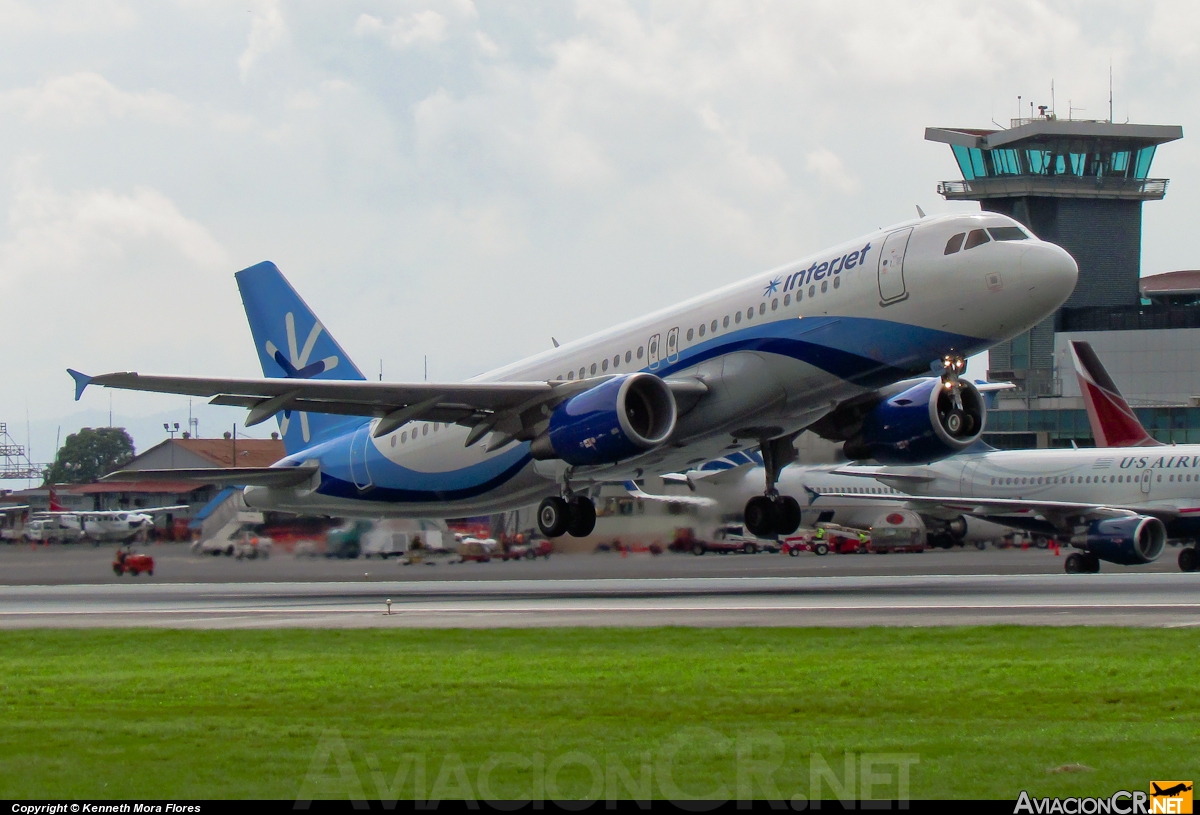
(830, 342)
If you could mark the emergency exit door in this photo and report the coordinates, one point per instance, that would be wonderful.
(891, 267)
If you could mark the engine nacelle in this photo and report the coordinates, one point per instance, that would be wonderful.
(1129, 541)
(921, 424)
(611, 422)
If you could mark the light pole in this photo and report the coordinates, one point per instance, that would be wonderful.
(172, 430)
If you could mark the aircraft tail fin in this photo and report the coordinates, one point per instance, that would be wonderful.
(292, 343)
(1114, 424)
(55, 504)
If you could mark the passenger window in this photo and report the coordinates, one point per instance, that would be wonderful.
(1008, 233)
(701, 331)
(787, 300)
(762, 308)
(725, 322)
(582, 373)
(690, 334)
(955, 243)
(978, 237)
(812, 290)
(713, 327)
(639, 352)
(750, 313)
(593, 369)
(775, 304)
(604, 364)
(425, 430)
(570, 376)
(737, 318)
(404, 437)
(628, 354)
(616, 360)
(824, 286)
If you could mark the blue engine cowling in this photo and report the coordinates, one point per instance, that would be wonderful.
(611, 422)
(1129, 541)
(922, 424)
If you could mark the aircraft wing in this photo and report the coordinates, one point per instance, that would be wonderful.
(1056, 512)
(635, 491)
(281, 477)
(483, 405)
(880, 473)
(17, 508)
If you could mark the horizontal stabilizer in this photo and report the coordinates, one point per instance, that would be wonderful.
(281, 477)
(636, 492)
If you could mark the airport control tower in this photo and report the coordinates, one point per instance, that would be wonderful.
(1077, 183)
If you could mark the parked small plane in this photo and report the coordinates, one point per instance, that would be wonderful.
(1120, 505)
(98, 526)
(829, 342)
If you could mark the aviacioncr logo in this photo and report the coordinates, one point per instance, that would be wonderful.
(296, 365)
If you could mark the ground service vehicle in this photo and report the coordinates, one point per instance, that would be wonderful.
(132, 563)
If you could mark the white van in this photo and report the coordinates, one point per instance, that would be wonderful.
(395, 537)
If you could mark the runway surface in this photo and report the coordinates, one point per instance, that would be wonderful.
(1124, 599)
(73, 586)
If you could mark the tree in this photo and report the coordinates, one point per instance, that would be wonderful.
(89, 454)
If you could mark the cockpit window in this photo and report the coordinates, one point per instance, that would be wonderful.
(1008, 233)
(955, 243)
(976, 238)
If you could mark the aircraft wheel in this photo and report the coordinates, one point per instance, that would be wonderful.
(760, 516)
(1093, 563)
(1074, 564)
(582, 517)
(1189, 559)
(553, 517)
(787, 515)
(821, 549)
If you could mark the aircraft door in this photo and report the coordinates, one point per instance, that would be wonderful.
(358, 457)
(1147, 481)
(652, 352)
(966, 480)
(891, 267)
(673, 345)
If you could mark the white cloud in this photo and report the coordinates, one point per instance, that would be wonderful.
(419, 27)
(267, 30)
(86, 98)
(827, 166)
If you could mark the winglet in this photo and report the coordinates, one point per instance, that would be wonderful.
(81, 382)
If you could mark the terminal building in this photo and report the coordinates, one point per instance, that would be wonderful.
(1081, 184)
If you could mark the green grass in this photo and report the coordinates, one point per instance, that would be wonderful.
(986, 712)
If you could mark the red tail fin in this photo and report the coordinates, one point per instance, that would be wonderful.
(1113, 421)
(55, 506)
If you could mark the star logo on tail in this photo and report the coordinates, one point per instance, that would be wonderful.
(296, 365)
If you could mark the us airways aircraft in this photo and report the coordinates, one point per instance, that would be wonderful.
(828, 342)
(1120, 505)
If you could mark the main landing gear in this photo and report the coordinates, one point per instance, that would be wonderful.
(1082, 563)
(773, 514)
(1189, 560)
(575, 515)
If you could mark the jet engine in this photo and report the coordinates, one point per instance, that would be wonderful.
(930, 420)
(1129, 541)
(611, 422)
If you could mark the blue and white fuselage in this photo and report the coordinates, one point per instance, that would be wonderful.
(775, 352)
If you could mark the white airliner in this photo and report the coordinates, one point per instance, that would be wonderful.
(828, 342)
(727, 483)
(1116, 504)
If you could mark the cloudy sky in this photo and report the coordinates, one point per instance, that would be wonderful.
(465, 180)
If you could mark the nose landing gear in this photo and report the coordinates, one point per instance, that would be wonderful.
(575, 515)
(773, 514)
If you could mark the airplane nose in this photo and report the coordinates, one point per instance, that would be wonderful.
(1050, 274)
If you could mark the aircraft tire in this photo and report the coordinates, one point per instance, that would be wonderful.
(1093, 563)
(760, 516)
(553, 517)
(1189, 559)
(787, 515)
(1074, 564)
(581, 517)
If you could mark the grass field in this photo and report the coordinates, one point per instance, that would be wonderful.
(975, 712)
